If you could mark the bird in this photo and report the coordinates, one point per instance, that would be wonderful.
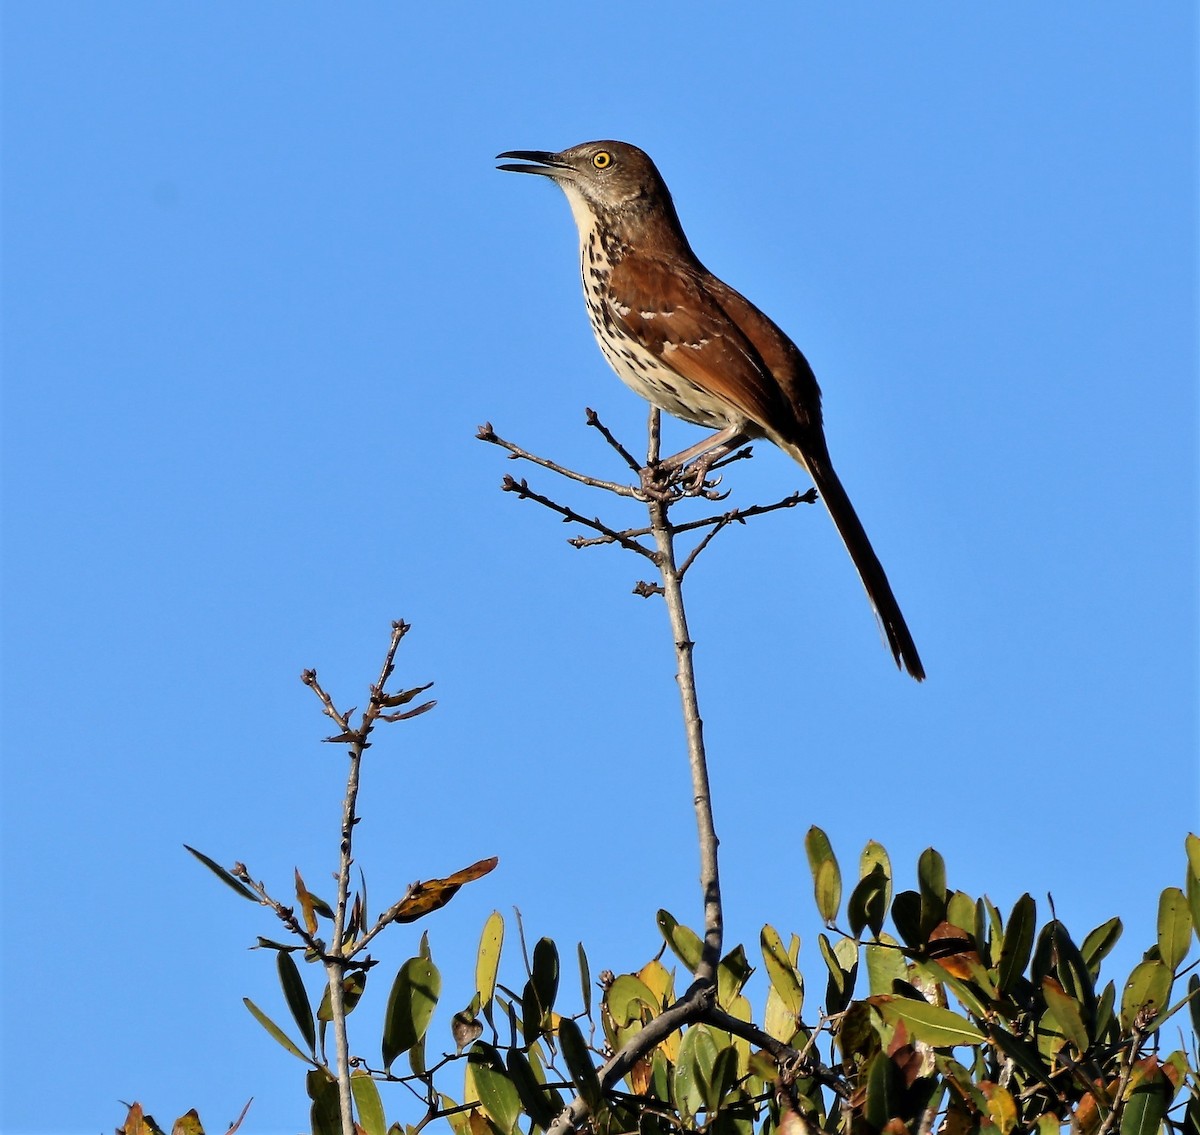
(694, 347)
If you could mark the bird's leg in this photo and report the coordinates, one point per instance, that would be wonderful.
(704, 454)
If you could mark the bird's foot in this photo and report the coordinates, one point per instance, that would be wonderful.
(668, 482)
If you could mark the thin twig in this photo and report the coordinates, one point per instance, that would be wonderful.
(593, 420)
(740, 515)
(524, 492)
(285, 914)
(486, 433)
(385, 919)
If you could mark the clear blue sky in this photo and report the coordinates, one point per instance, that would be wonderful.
(261, 283)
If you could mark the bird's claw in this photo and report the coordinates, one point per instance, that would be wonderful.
(668, 483)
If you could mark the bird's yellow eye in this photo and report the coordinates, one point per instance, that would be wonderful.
(602, 159)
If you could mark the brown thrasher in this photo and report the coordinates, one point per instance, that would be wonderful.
(689, 344)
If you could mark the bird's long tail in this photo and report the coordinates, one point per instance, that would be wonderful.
(870, 570)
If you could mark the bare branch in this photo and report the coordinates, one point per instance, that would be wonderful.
(569, 515)
(593, 420)
(309, 678)
(285, 914)
(486, 433)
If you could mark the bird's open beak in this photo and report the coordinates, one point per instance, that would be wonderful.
(548, 164)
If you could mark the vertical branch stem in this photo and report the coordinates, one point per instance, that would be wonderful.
(335, 961)
(685, 676)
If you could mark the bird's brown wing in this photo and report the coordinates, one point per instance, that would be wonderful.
(782, 357)
(680, 321)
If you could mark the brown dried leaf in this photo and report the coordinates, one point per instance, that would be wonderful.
(306, 904)
(953, 950)
(424, 898)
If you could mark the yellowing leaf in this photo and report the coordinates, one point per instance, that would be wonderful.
(1001, 1107)
(786, 982)
(307, 906)
(942, 1028)
(487, 960)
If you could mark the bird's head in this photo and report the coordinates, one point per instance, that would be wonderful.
(610, 180)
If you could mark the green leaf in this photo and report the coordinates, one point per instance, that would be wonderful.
(827, 877)
(694, 1068)
(1072, 971)
(685, 944)
(874, 855)
(883, 1092)
(874, 861)
(1192, 846)
(410, 1007)
(989, 931)
(585, 981)
(541, 1104)
(627, 997)
(274, 1030)
(1018, 942)
(662, 1075)
(367, 1103)
(724, 1078)
(906, 914)
(487, 960)
(579, 1063)
(326, 1111)
(497, 1093)
(353, 985)
(733, 972)
(1067, 1013)
(1146, 992)
(1104, 1010)
(885, 965)
(1097, 945)
(869, 902)
(297, 999)
(842, 962)
(941, 1028)
(416, 1056)
(224, 875)
(1146, 1106)
(541, 989)
(960, 911)
(1193, 897)
(1191, 1115)
(931, 875)
(1174, 927)
(784, 978)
